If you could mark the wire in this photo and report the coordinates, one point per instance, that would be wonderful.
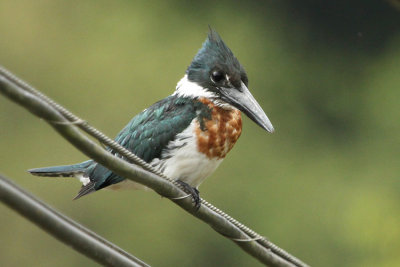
(63, 228)
(84, 125)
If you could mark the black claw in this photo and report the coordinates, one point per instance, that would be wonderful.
(193, 192)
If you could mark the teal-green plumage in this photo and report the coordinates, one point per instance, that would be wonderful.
(148, 133)
(151, 130)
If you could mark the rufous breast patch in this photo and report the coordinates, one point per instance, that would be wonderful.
(220, 133)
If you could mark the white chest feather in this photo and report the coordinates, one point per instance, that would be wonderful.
(182, 160)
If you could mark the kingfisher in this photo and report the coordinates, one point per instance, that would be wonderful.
(186, 135)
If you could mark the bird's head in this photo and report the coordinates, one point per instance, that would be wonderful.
(215, 73)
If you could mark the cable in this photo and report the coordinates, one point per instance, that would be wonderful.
(129, 156)
(63, 228)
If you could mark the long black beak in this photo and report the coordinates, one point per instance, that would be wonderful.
(242, 99)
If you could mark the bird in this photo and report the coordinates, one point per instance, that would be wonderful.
(186, 135)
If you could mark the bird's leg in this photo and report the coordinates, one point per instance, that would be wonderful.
(192, 191)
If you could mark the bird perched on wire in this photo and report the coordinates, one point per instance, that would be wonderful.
(187, 134)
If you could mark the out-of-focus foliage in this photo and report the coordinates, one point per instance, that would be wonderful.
(325, 186)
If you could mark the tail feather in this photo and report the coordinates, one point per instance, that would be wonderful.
(79, 171)
(85, 190)
(62, 171)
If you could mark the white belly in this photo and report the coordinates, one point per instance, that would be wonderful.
(183, 161)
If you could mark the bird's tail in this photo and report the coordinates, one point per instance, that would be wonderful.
(62, 171)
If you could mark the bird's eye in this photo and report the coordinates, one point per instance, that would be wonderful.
(217, 76)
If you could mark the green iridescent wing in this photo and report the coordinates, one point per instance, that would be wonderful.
(148, 133)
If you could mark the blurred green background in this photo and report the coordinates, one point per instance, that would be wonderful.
(325, 186)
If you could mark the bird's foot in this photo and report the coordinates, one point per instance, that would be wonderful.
(193, 192)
